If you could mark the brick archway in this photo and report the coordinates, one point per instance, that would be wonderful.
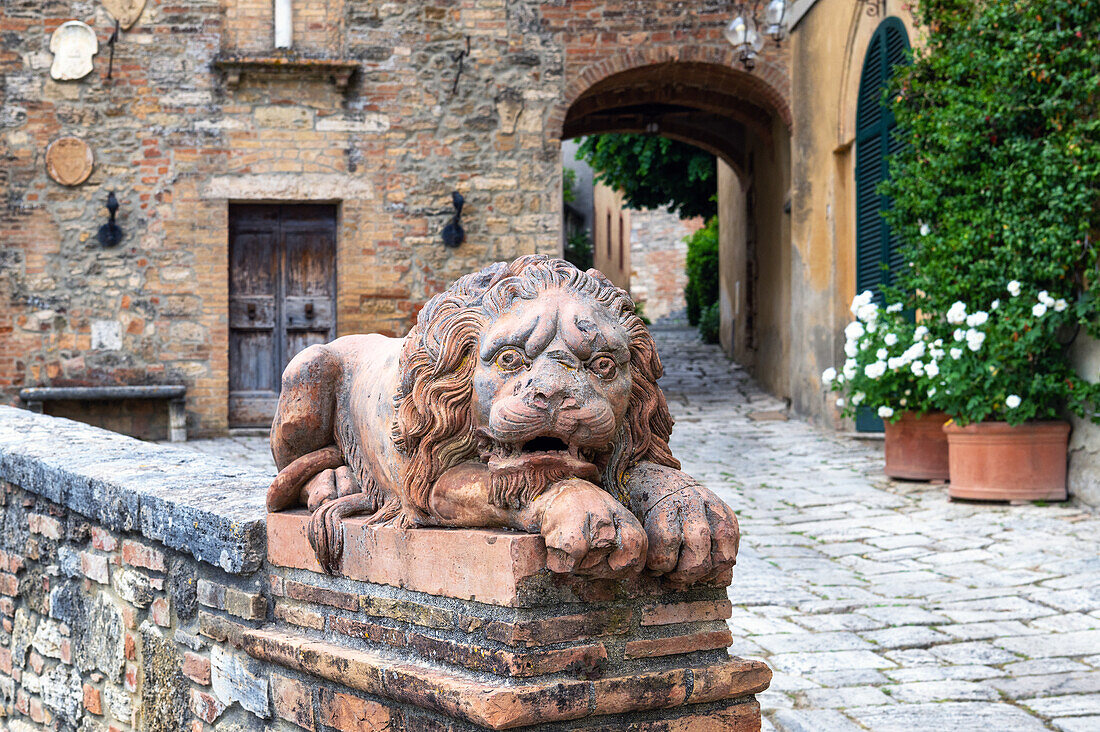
(690, 93)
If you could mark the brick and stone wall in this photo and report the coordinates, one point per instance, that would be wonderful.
(658, 250)
(177, 137)
(142, 588)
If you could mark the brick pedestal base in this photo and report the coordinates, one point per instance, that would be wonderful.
(465, 629)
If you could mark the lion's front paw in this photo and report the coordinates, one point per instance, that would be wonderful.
(693, 535)
(589, 533)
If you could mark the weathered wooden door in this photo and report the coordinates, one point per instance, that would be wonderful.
(282, 298)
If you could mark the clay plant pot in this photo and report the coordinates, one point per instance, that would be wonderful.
(916, 447)
(994, 461)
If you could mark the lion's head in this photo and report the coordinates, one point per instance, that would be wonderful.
(538, 369)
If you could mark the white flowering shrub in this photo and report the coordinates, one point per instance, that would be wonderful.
(1007, 362)
(890, 363)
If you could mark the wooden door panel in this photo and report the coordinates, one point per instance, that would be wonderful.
(282, 286)
(252, 366)
(252, 313)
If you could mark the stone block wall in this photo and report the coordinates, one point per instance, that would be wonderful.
(119, 563)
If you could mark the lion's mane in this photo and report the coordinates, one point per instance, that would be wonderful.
(433, 427)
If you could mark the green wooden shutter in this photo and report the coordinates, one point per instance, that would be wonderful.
(878, 256)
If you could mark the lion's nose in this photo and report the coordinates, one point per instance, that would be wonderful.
(544, 394)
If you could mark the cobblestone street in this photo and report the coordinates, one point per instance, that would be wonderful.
(879, 605)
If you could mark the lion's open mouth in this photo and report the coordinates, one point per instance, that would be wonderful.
(543, 452)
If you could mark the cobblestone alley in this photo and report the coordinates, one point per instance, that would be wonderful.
(879, 605)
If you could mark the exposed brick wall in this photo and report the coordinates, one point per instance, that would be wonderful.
(177, 144)
(658, 250)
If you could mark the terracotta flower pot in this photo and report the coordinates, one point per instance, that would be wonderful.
(994, 461)
(916, 447)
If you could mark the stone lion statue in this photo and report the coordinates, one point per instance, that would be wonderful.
(525, 397)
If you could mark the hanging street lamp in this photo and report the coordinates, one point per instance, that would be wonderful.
(742, 31)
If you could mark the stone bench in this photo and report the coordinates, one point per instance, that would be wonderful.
(174, 393)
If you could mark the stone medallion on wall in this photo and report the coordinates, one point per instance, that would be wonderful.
(73, 44)
(69, 160)
(126, 12)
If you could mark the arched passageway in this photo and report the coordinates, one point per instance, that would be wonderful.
(745, 122)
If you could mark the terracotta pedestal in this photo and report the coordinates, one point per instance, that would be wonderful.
(916, 447)
(994, 461)
(464, 629)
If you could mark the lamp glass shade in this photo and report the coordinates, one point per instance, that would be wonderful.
(775, 12)
(737, 31)
(755, 40)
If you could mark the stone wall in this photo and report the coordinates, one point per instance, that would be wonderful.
(177, 142)
(658, 250)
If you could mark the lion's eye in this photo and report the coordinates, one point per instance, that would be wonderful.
(603, 366)
(510, 359)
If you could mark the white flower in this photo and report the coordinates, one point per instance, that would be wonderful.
(851, 348)
(895, 308)
(903, 401)
(874, 370)
(1060, 305)
(868, 313)
(931, 392)
(956, 313)
(828, 375)
(854, 330)
(863, 298)
(895, 363)
(858, 398)
(1046, 299)
(925, 229)
(917, 368)
(851, 368)
(890, 339)
(840, 402)
(1012, 401)
(881, 354)
(1014, 288)
(920, 332)
(932, 370)
(959, 334)
(977, 319)
(956, 353)
(1039, 310)
(974, 339)
(885, 412)
(995, 304)
(914, 351)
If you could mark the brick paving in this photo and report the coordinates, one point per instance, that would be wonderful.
(880, 605)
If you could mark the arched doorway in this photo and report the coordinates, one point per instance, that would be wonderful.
(745, 123)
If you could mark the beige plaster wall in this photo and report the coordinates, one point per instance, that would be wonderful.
(827, 51)
(606, 258)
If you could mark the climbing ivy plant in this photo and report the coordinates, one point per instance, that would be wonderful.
(1001, 179)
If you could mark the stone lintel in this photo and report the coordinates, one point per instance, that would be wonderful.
(491, 704)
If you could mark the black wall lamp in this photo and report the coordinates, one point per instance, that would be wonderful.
(453, 233)
(110, 234)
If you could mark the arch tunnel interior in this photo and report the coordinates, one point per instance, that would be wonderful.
(741, 120)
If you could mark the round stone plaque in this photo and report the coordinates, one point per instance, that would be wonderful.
(69, 161)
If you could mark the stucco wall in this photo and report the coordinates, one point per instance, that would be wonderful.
(827, 51)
